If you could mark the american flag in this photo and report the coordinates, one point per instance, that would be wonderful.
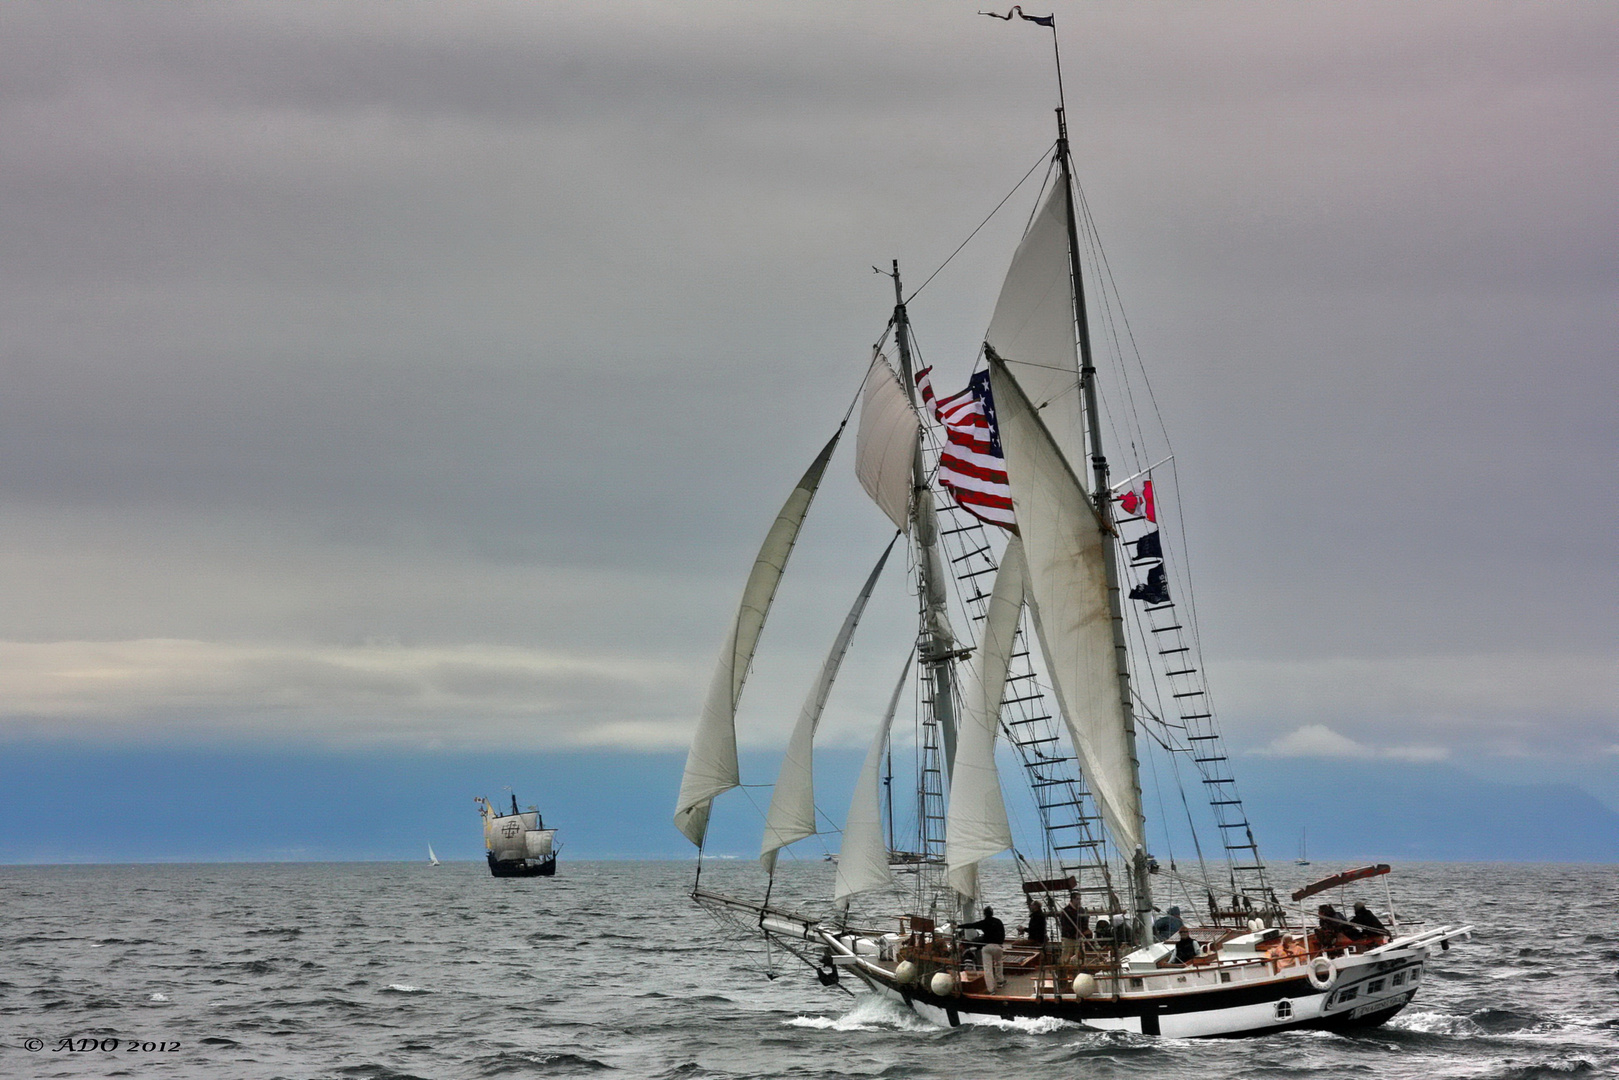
(971, 466)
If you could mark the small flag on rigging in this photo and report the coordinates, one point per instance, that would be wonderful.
(1043, 20)
(971, 465)
(1155, 590)
(1132, 502)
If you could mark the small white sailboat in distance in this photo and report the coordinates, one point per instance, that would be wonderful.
(432, 860)
(1304, 858)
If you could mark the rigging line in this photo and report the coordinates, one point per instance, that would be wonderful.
(1045, 156)
(1108, 286)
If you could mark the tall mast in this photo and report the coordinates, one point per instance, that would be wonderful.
(1104, 512)
(937, 647)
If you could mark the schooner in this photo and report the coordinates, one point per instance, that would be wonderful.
(1054, 636)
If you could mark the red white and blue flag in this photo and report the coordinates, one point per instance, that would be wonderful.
(971, 465)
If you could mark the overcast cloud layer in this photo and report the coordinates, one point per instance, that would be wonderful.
(426, 375)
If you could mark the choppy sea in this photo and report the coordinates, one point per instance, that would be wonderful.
(377, 971)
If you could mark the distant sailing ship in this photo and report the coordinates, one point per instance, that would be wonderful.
(1304, 858)
(432, 860)
(518, 843)
(1045, 621)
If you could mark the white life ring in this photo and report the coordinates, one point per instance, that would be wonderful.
(1322, 973)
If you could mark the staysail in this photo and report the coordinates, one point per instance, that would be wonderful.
(711, 765)
(1064, 544)
(976, 827)
(863, 857)
(792, 804)
(1033, 327)
(885, 443)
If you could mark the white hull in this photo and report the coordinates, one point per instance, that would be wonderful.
(1213, 1000)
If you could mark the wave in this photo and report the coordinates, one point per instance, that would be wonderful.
(549, 1064)
(405, 988)
(869, 1013)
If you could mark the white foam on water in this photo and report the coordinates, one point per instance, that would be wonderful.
(1028, 1025)
(869, 1013)
(406, 988)
(158, 997)
(1433, 1023)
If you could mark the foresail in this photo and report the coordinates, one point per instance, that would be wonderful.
(863, 856)
(1063, 542)
(976, 827)
(792, 804)
(1033, 327)
(885, 443)
(711, 765)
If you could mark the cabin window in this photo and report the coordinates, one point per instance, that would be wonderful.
(1374, 986)
(1398, 979)
(1349, 995)
(1136, 984)
(1225, 976)
(1414, 974)
(1284, 1010)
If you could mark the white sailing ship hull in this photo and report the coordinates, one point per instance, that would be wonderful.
(1186, 1003)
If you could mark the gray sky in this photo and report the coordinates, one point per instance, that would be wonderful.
(427, 374)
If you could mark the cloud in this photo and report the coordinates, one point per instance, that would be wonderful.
(468, 697)
(1319, 741)
(1504, 704)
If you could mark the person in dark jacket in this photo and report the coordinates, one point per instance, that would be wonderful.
(1364, 924)
(1072, 924)
(992, 938)
(1035, 932)
(1186, 948)
(1329, 926)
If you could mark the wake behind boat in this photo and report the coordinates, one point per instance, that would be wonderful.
(518, 843)
(1016, 530)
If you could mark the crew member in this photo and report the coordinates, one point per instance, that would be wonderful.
(1072, 924)
(992, 936)
(1365, 924)
(1185, 948)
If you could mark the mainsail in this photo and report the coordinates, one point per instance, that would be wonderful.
(977, 827)
(711, 765)
(1033, 327)
(1068, 583)
(792, 803)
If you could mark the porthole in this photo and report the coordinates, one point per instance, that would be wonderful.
(1284, 1010)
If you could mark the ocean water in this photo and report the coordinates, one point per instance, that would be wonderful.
(376, 971)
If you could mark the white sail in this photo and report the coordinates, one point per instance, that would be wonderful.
(537, 842)
(1033, 327)
(885, 443)
(431, 858)
(863, 856)
(792, 804)
(506, 839)
(1063, 541)
(711, 765)
(976, 827)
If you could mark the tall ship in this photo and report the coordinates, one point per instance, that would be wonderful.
(517, 842)
(1051, 707)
